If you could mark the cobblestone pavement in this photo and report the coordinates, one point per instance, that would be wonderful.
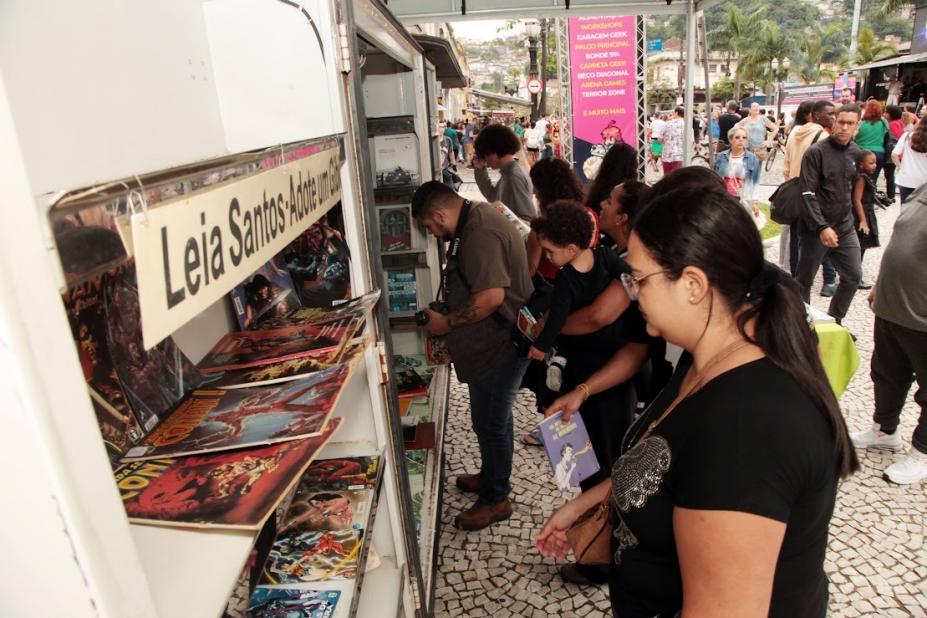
(877, 559)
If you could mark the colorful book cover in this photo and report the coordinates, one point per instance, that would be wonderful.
(235, 489)
(418, 362)
(568, 449)
(313, 555)
(119, 430)
(218, 420)
(525, 322)
(268, 293)
(292, 603)
(341, 473)
(415, 465)
(395, 228)
(320, 262)
(87, 316)
(288, 371)
(356, 308)
(154, 380)
(409, 383)
(246, 349)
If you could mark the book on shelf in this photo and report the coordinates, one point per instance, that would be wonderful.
(424, 437)
(357, 308)
(320, 262)
(233, 489)
(246, 349)
(268, 293)
(322, 534)
(131, 388)
(409, 383)
(418, 362)
(218, 420)
(287, 371)
(568, 450)
(293, 603)
(154, 380)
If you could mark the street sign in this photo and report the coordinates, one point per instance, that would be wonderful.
(655, 45)
(534, 86)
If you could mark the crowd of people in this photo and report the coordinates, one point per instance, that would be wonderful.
(719, 474)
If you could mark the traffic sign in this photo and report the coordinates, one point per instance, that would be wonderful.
(534, 86)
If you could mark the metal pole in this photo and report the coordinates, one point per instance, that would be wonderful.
(689, 100)
(854, 30)
(533, 73)
(708, 110)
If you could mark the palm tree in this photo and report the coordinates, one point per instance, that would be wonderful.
(767, 43)
(868, 49)
(820, 45)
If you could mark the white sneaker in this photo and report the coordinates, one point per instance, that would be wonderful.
(555, 373)
(876, 438)
(911, 469)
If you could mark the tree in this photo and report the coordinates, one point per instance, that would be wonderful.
(820, 45)
(768, 43)
(723, 90)
(868, 49)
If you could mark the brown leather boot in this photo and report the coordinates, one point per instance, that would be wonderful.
(483, 514)
(470, 483)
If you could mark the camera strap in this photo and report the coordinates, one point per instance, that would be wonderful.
(451, 264)
(453, 250)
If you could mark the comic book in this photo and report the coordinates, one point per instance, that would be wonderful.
(246, 349)
(265, 295)
(287, 371)
(409, 383)
(418, 362)
(341, 473)
(119, 430)
(218, 420)
(356, 308)
(415, 464)
(321, 535)
(154, 380)
(293, 603)
(235, 489)
(568, 449)
(319, 261)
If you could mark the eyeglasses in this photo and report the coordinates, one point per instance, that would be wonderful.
(632, 284)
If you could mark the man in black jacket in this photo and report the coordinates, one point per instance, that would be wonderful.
(827, 171)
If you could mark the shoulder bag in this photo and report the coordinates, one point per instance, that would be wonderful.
(590, 536)
(786, 202)
(888, 142)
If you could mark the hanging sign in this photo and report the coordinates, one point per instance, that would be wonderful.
(603, 67)
(191, 252)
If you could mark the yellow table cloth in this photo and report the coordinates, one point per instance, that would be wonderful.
(838, 354)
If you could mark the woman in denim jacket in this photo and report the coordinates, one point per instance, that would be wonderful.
(740, 170)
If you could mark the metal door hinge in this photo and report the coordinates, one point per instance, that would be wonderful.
(384, 365)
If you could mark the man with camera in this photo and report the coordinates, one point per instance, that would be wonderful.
(484, 284)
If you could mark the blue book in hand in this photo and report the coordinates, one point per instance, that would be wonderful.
(568, 449)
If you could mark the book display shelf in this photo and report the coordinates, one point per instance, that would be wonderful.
(217, 395)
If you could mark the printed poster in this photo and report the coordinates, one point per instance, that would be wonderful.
(603, 61)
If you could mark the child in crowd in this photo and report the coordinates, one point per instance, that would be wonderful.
(867, 227)
(564, 232)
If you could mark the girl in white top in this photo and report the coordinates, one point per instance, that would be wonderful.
(910, 157)
(532, 143)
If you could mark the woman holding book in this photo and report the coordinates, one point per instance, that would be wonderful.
(727, 482)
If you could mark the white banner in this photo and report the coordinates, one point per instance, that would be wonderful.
(191, 252)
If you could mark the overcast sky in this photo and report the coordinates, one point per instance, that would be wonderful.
(483, 30)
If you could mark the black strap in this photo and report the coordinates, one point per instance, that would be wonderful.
(452, 264)
(817, 137)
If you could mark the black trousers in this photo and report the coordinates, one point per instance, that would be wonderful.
(846, 259)
(899, 358)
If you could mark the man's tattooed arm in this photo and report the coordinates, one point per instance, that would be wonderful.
(478, 307)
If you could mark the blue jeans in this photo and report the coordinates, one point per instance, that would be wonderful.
(905, 192)
(491, 413)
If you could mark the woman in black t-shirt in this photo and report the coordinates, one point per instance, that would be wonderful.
(726, 484)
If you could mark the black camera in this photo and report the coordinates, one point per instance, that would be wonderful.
(421, 318)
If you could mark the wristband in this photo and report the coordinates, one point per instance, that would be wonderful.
(585, 388)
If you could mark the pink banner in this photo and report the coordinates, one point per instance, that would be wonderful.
(603, 57)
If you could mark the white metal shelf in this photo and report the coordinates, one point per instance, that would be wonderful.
(174, 559)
